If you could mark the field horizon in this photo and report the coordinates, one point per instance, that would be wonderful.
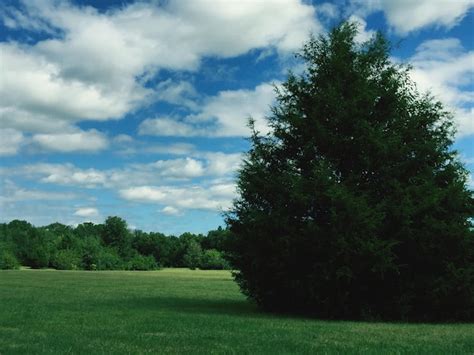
(184, 311)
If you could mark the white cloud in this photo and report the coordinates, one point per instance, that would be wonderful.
(180, 93)
(221, 164)
(123, 139)
(179, 168)
(35, 84)
(198, 164)
(363, 35)
(85, 141)
(215, 197)
(170, 211)
(15, 18)
(62, 174)
(405, 16)
(231, 110)
(464, 121)
(97, 68)
(166, 126)
(328, 10)
(87, 212)
(10, 141)
(446, 69)
(26, 121)
(171, 149)
(13, 193)
(223, 115)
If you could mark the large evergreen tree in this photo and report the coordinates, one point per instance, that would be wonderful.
(355, 206)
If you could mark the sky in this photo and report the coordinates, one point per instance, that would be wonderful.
(139, 109)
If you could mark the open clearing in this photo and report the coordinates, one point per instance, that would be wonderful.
(183, 311)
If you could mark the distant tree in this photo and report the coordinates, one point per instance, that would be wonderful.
(141, 262)
(193, 256)
(66, 259)
(216, 239)
(213, 259)
(38, 248)
(115, 234)
(88, 229)
(91, 251)
(153, 244)
(8, 259)
(355, 206)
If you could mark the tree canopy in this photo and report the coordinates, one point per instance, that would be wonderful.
(355, 205)
(108, 246)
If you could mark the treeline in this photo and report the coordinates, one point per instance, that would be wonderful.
(107, 246)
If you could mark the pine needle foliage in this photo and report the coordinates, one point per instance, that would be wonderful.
(355, 205)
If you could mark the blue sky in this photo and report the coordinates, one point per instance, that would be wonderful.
(139, 109)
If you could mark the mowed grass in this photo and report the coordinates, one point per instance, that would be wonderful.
(184, 311)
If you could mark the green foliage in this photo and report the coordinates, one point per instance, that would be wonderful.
(216, 239)
(108, 246)
(38, 248)
(8, 260)
(66, 259)
(141, 262)
(108, 259)
(192, 258)
(355, 206)
(213, 259)
(115, 234)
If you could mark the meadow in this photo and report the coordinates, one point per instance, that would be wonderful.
(184, 311)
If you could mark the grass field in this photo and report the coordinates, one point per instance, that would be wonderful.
(183, 311)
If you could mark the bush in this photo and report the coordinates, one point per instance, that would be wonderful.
(213, 259)
(8, 260)
(107, 259)
(142, 263)
(193, 255)
(66, 259)
(37, 248)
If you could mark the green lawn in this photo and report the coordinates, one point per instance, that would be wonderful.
(183, 311)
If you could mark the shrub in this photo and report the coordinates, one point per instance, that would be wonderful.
(213, 259)
(193, 255)
(143, 263)
(108, 259)
(66, 259)
(8, 260)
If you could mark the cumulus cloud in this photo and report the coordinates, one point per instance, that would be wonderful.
(223, 115)
(446, 69)
(405, 16)
(10, 141)
(170, 211)
(169, 127)
(199, 164)
(98, 67)
(179, 168)
(363, 34)
(215, 197)
(61, 174)
(85, 141)
(126, 145)
(87, 212)
(328, 10)
(221, 164)
(180, 93)
(10, 192)
(171, 149)
(230, 109)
